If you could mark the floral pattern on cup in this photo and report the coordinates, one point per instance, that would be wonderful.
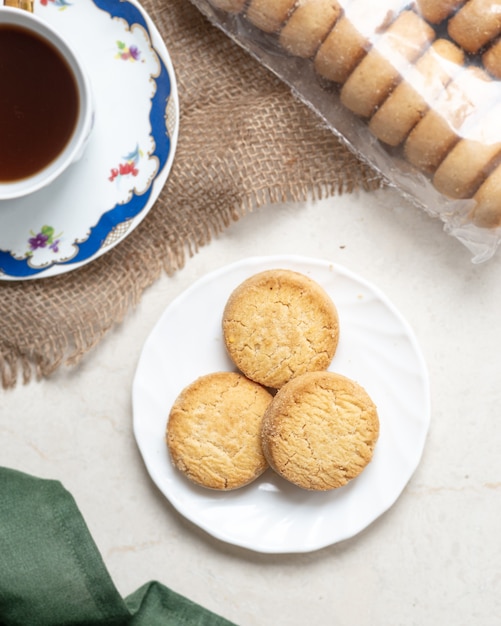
(45, 238)
(128, 165)
(127, 53)
(61, 5)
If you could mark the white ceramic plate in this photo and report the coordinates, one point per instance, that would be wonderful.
(100, 199)
(377, 348)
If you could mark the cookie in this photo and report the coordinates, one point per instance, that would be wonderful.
(308, 25)
(436, 11)
(213, 431)
(422, 84)
(320, 430)
(381, 68)
(466, 167)
(439, 130)
(342, 50)
(487, 210)
(278, 324)
(476, 24)
(352, 36)
(491, 59)
(269, 16)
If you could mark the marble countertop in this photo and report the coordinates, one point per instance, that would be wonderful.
(433, 558)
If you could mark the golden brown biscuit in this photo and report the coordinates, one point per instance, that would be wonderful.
(435, 11)
(308, 25)
(213, 431)
(409, 101)
(430, 141)
(320, 430)
(487, 210)
(352, 36)
(341, 51)
(476, 24)
(269, 16)
(381, 68)
(434, 136)
(491, 59)
(278, 324)
(466, 167)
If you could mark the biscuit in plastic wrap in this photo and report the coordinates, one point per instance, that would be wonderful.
(413, 88)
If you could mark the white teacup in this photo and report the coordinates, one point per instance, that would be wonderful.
(41, 145)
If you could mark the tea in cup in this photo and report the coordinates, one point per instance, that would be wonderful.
(46, 108)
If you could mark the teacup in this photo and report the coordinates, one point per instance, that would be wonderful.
(46, 105)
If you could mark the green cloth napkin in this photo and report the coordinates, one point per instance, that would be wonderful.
(52, 574)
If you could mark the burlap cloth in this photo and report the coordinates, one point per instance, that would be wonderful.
(244, 142)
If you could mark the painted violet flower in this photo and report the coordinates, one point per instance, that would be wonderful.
(43, 239)
(38, 241)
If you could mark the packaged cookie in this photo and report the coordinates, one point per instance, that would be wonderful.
(413, 87)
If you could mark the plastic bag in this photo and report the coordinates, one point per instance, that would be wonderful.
(413, 88)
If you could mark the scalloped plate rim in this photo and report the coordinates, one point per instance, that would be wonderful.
(173, 483)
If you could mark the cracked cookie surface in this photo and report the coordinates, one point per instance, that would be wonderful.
(213, 430)
(320, 430)
(279, 324)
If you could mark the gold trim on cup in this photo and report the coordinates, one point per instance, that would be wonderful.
(26, 5)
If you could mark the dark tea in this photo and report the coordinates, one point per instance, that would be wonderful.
(39, 103)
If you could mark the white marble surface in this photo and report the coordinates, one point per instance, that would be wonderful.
(433, 558)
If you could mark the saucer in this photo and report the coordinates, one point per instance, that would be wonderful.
(101, 198)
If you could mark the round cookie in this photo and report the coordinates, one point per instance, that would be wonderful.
(320, 430)
(381, 68)
(476, 24)
(341, 51)
(430, 141)
(491, 59)
(269, 16)
(466, 167)
(278, 324)
(308, 25)
(352, 36)
(487, 210)
(435, 11)
(411, 98)
(213, 430)
(440, 129)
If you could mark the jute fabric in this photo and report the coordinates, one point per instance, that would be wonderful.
(245, 142)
